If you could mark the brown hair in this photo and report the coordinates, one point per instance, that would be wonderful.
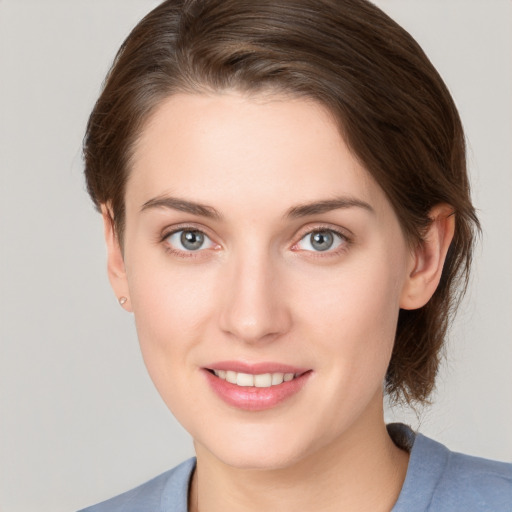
(392, 107)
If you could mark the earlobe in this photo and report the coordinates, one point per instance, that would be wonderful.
(115, 261)
(427, 259)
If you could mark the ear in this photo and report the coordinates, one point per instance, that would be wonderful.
(115, 261)
(427, 259)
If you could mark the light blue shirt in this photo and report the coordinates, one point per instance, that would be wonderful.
(437, 480)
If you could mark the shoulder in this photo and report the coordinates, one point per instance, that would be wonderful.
(441, 480)
(167, 491)
(473, 483)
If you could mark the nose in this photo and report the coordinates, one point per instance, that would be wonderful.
(255, 304)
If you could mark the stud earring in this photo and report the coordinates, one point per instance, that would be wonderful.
(122, 300)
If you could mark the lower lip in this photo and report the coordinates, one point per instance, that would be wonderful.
(253, 398)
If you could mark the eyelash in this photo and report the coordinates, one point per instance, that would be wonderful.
(346, 241)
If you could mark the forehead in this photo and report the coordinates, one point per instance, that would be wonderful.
(231, 149)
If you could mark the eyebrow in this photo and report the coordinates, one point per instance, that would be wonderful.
(301, 210)
(318, 207)
(174, 203)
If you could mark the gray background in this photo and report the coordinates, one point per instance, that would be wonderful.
(79, 418)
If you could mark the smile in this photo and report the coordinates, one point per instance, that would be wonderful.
(262, 380)
(255, 387)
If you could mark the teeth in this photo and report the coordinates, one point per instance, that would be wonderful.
(263, 380)
(245, 380)
(230, 376)
(277, 378)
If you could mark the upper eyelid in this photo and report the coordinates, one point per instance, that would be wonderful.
(343, 232)
(170, 230)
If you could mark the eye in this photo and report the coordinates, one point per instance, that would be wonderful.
(321, 241)
(189, 240)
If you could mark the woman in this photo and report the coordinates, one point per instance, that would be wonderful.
(287, 214)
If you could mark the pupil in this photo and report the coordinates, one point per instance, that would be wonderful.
(192, 240)
(322, 241)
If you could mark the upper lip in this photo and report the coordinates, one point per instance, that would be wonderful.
(256, 368)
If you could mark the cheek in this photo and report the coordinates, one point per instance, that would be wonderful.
(352, 315)
(171, 304)
(171, 307)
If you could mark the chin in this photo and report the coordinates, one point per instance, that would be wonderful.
(258, 448)
(256, 460)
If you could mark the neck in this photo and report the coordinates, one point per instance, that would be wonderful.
(362, 470)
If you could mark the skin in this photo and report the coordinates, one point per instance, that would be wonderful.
(258, 291)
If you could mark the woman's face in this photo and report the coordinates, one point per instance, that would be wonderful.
(257, 246)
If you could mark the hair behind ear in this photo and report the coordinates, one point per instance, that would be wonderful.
(421, 330)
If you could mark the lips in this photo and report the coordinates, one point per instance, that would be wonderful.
(255, 387)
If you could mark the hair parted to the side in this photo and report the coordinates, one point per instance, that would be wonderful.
(392, 107)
